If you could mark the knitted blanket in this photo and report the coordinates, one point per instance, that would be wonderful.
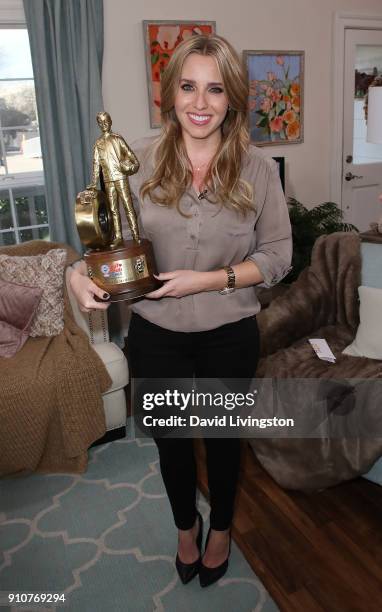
(51, 408)
(322, 303)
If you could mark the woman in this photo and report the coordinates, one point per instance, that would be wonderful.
(213, 207)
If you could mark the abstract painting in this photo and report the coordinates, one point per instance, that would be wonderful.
(161, 39)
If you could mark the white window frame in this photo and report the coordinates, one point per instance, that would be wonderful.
(12, 16)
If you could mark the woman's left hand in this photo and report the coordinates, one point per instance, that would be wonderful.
(178, 284)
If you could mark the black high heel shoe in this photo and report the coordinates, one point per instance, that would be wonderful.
(187, 571)
(209, 575)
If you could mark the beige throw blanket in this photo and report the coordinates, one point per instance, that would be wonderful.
(51, 408)
(322, 303)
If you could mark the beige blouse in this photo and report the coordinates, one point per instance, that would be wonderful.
(211, 238)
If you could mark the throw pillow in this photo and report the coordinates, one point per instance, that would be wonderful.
(46, 272)
(18, 304)
(368, 340)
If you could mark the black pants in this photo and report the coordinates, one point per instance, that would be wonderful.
(229, 351)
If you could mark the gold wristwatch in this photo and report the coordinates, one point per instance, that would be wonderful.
(230, 287)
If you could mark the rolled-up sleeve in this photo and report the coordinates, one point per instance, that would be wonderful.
(273, 252)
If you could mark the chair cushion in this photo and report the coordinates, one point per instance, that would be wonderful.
(300, 361)
(18, 305)
(115, 362)
(368, 340)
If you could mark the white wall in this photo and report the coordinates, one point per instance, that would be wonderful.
(247, 24)
(12, 11)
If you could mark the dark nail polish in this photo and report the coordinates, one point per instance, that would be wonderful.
(105, 296)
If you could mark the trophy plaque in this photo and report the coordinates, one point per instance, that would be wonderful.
(123, 268)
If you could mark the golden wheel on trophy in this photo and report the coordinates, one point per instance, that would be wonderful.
(93, 219)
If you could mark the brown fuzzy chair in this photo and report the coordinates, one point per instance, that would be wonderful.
(322, 303)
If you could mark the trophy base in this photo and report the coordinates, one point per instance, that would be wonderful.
(125, 271)
(133, 294)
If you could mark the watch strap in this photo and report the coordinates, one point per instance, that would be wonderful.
(231, 279)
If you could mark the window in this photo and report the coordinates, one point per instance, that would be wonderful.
(368, 65)
(23, 214)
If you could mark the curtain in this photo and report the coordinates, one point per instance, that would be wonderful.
(66, 40)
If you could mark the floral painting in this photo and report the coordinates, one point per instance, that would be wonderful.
(161, 39)
(276, 81)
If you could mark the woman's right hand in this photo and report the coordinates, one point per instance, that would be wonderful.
(84, 291)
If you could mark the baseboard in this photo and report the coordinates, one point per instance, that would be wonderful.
(112, 434)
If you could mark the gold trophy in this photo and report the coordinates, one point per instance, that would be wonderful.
(123, 268)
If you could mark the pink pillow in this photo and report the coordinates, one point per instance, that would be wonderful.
(18, 305)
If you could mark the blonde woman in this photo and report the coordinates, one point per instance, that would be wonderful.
(213, 207)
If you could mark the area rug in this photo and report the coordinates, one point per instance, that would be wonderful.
(106, 540)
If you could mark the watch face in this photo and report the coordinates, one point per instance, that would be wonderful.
(227, 290)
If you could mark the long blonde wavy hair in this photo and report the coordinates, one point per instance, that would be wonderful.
(172, 166)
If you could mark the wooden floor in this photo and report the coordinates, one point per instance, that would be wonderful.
(312, 552)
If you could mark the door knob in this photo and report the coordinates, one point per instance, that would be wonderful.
(349, 176)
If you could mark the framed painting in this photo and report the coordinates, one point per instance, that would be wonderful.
(161, 39)
(276, 96)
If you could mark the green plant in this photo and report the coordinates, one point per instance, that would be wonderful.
(307, 226)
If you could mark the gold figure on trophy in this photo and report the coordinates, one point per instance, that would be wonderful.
(116, 160)
(124, 268)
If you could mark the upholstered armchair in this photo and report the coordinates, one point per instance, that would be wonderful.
(62, 381)
(322, 303)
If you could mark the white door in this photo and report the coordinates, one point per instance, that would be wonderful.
(361, 160)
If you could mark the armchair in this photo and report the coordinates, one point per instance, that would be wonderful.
(60, 394)
(322, 303)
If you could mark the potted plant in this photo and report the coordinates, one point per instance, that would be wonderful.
(307, 226)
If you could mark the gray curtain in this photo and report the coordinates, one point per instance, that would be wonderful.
(66, 39)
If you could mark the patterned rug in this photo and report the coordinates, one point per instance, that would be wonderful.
(106, 539)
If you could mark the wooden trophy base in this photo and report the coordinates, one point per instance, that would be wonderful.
(124, 271)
